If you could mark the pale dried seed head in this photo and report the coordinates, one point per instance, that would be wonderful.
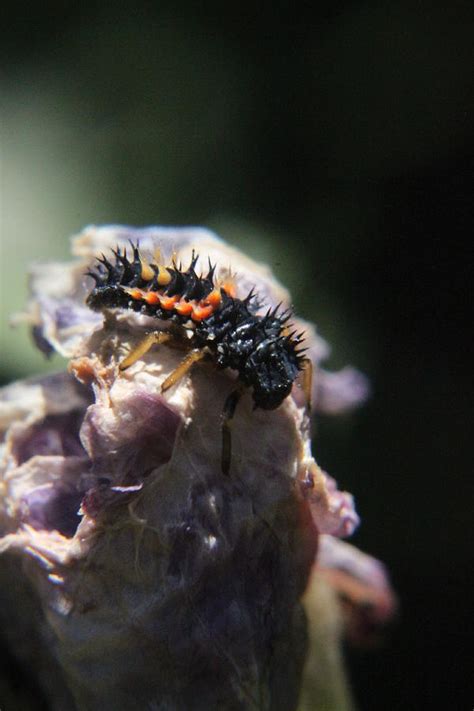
(164, 581)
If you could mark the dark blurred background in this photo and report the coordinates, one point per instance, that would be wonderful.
(335, 142)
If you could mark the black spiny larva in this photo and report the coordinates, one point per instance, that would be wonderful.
(224, 328)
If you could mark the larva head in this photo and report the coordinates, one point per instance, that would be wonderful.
(272, 370)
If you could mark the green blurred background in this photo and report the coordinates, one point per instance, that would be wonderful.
(335, 142)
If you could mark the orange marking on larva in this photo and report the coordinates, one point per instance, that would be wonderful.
(168, 302)
(201, 312)
(184, 308)
(229, 289)
(151, 297)
(147, 272)
(164, 277)
(214, 298)
(136, 294)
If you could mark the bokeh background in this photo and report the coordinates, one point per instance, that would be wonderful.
(335, 142)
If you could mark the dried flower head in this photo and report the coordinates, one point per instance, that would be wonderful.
(163, 583)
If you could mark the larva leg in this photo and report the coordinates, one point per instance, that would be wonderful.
(307, 383)
(151, 339)
(229, 411)
(193, 357)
